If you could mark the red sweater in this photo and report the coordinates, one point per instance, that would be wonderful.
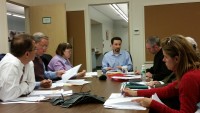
(188, 91)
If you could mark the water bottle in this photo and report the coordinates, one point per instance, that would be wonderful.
(143, 73)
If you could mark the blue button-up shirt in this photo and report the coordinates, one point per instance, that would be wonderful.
(112, 60)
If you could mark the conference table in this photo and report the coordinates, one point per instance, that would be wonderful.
(97, 87)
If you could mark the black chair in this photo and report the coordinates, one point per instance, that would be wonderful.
(46, 58)
(2, 55)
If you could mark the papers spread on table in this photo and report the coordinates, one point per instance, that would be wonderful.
(78, 82)
(70, 73)
(90, 74)
(117, 101)
(27, 99)
(50, 93)
(39, 95)
(74, 82)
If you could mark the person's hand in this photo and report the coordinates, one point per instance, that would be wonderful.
(81, 74)
(136, 72)
(152, 83)
(109, 68)
(129, 92)
(46, 83)
(60, 73)
(149, 75)
(145, 102)
(119, 67)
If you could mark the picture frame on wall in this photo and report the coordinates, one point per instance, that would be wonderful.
(46, 20)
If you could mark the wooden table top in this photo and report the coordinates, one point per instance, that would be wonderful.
(97, 87)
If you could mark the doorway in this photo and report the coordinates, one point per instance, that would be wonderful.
(105, 24)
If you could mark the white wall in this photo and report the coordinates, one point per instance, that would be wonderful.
(120, 30)
(136, 21)
(3, 28)
(97, 43)
(96, 37)
(107, 26)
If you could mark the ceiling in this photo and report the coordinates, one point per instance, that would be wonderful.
(105, 9)
(12, 8)
(109, 12)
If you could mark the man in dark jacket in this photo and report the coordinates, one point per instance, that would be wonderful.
(159, 70)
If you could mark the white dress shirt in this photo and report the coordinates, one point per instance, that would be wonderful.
(11, 71)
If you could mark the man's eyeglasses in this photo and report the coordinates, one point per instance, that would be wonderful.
(43, 46)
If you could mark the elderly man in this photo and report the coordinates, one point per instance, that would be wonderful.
(40, 73)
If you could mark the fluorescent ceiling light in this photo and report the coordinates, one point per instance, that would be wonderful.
(16, 15)
(8, 13)
(20, 16)
(119, 11)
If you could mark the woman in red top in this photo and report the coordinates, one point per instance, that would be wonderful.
(181, 58)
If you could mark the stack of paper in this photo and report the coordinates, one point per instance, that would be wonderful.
(117, 101)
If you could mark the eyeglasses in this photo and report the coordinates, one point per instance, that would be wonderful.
(43, 46)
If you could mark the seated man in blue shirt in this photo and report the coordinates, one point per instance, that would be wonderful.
(116, 59)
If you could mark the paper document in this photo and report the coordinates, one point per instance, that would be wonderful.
(50, 93)
(78, 82)
(90, 74)
(155, 97)
(117, 101)
(70, 73)
(198, 110)
(18, 102)
(29, 99)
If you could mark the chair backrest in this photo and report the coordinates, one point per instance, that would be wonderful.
(46, 58)
(2, 55)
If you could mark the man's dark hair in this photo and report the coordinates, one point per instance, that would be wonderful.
(62, 47)
(115, 38)
(153, 40)
(21, 44)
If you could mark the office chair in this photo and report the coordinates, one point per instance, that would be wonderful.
(2, 55)
(46, 58)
